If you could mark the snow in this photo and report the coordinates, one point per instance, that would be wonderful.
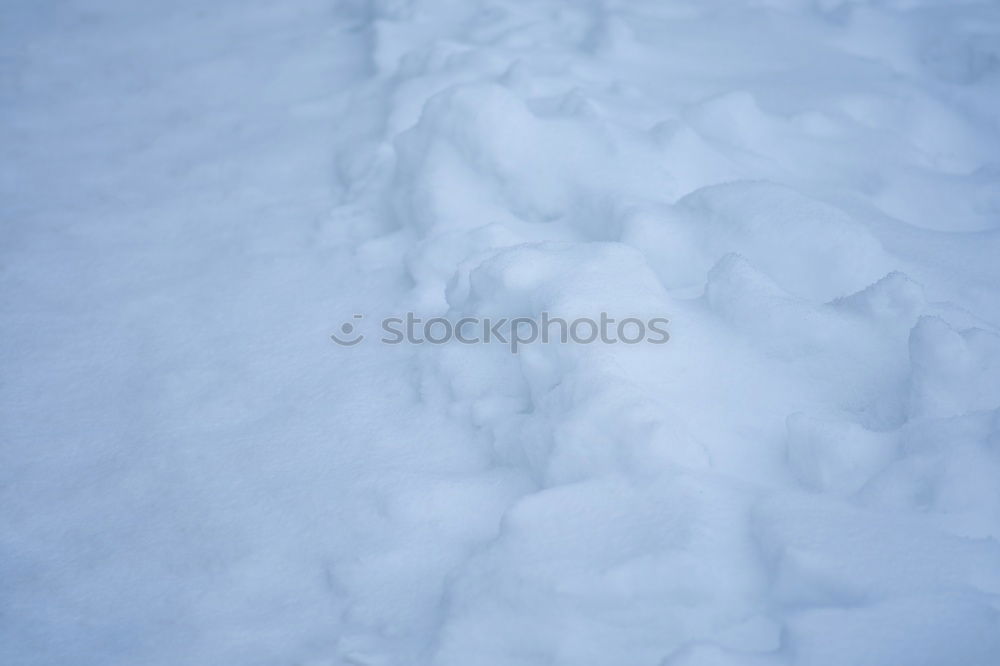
(196, 195)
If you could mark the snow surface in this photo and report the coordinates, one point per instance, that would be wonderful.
(196, 194)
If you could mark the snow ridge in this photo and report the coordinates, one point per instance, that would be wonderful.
(753, 492)
(805, 474)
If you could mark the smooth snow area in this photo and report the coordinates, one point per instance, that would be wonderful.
(196, 193)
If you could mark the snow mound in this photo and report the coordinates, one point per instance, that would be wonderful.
(801, 471)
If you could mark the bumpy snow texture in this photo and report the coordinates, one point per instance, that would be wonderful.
(196, 194)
